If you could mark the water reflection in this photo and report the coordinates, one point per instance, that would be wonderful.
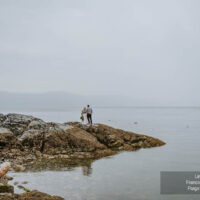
(87, 170)
(61, 165)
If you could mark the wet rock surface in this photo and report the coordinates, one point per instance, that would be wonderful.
(5, 188)
(25, 140)
(32, 195)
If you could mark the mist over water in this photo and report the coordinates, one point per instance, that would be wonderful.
(145, 49)
(128, 175)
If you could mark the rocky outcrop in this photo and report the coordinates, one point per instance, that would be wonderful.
(26, 138)
(117, 139)
(32, 195)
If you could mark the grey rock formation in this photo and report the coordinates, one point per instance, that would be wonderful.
(28, 138)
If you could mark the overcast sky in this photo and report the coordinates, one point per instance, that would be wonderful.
(149, 49)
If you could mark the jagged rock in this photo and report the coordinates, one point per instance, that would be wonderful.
(18, 168)
(5, 136)
(2, 118)
(26, 138)
(37, 124)
(118, 139)
(17, 123)
(5, 131)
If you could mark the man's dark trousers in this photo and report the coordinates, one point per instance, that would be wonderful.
(89, 118)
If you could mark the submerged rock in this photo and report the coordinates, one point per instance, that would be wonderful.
(23, 188)
(25, 139)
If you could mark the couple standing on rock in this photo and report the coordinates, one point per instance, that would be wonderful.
(87, 111)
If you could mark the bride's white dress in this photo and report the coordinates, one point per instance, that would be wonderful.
(85, 118)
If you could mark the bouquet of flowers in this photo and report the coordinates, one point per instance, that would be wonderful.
(82, 118)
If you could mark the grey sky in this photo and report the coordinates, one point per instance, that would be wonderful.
(147, 49)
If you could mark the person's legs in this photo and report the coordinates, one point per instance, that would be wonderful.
(88, 118)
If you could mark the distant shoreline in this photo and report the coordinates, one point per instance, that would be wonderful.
(78, 108)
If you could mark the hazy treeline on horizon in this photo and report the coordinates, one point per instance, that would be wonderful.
(64, 100)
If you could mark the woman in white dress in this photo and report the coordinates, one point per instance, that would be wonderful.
(83, 116)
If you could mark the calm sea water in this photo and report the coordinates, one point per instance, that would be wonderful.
(128, 175)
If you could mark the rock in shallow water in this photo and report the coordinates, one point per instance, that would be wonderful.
(31, 138)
